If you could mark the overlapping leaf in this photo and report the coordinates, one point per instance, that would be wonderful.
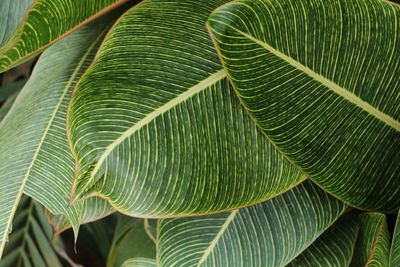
(269, 234)
(45, 22)
(12, 12)
(156, 128)
(372, 247)
(320, 78)
(34, 154)
(29, 244)
(334, 248)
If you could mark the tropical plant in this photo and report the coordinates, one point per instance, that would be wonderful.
(238, 133)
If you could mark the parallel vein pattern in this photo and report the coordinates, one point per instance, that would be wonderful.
(394, 259)
(269, 234)
(35, 157)
(45, 22)
(320, 78)
(12, 12)
(155, 127)
(334, 248)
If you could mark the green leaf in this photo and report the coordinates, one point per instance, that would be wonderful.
(155, 125)
(35, 156)
(320, 78)
(372, 247)
(12, 12)
(394, 259)
(92, 209)
(130, 241)
(9, 90)
(45, 22)
(269, 234)
(139, 262)
(334, 248)
(31, 237)
(150, 226)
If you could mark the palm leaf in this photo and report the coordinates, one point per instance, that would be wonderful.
(320, 78)
(269, 234)
(29, 244)
(155, 127)
(45, 22)
(139, 262)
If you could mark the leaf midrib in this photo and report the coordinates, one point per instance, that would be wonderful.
(202, 85)
(343, 92)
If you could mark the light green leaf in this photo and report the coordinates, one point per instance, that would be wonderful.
(35, 157)
(92, 209)
(372, 247)
(31, 236)
(394, 259)
(130, 241)
(45, 22)
(12, 12)
(320, 78)
(269, 234)
(139, 262)
(156, 128)
(334, 248)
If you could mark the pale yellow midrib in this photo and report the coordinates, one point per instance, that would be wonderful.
(214, 78)
(45, 132)
(214, 242)
(331, 85)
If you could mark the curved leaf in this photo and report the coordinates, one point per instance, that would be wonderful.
(139, 262)
(35, 156)
(372, 247)
(29, 244)
(268, 234)
(154, 124)
(320, 78)
(334, 248)
(91, 209)
(394, 259)
(12, 12)
(47, 21)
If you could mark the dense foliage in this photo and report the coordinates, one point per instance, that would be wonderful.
(228, 133)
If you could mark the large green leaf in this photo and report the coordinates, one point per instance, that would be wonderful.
(320, 78)
(372, 247)
(269, 234)
(394, 259)
(12, 12)
(34, 151)
(45, 22)
(29, 244)
(130, 241)
(334, 248)
(139, 262)
(154, 124)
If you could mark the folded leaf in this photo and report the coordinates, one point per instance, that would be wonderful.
(139, 262)
(45, 22)
(30, 240)
(91, 209)
(12, 12)
(334, 248)
(394, 259)
(320, 78)
(269, 234)
(372, 246)
(35, 157)
(155, 127)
